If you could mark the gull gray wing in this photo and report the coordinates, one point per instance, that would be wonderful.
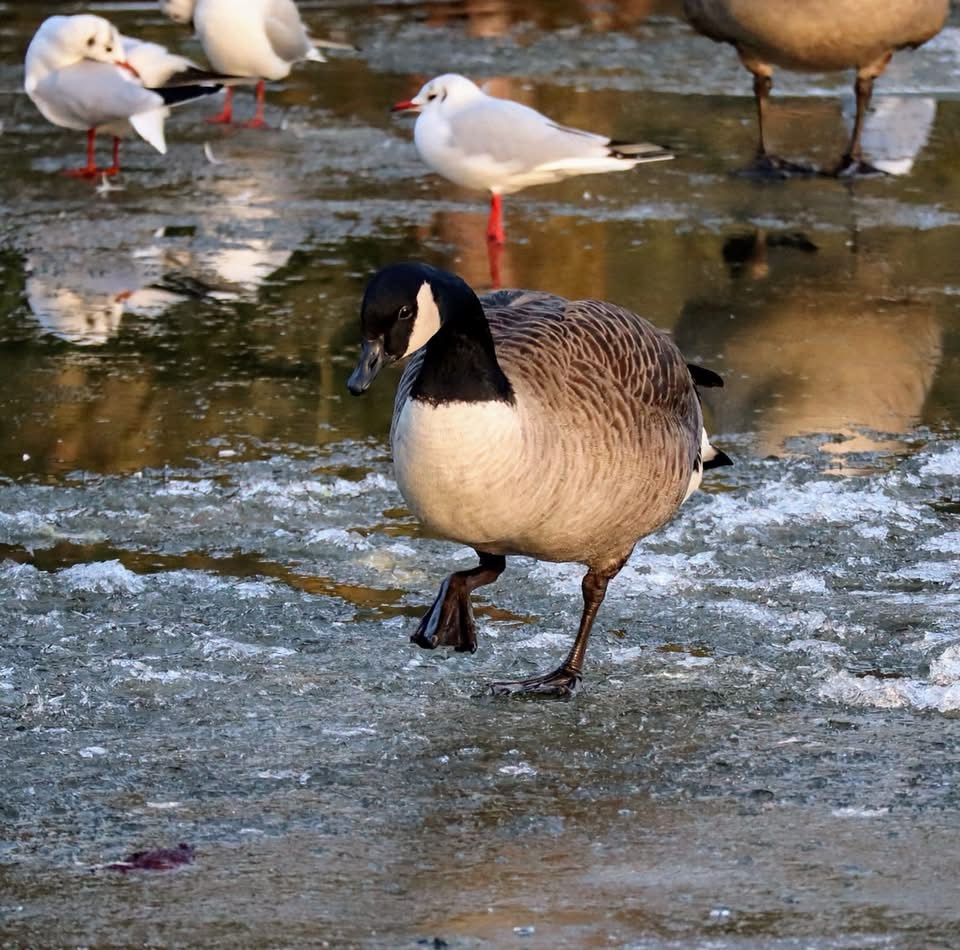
(513, 133)
(286, 32)
(89, 94)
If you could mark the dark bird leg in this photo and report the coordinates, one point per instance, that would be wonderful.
(449, 622)
(852, 163)
(565, 680)
(765, 165)
(226, 116)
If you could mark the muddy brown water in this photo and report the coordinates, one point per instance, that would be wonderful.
(208, 577)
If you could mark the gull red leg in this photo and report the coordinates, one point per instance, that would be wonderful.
(226, 116)
(257, 121)
(115, 167)
(494, 253)
(495, 224)
(91, 167)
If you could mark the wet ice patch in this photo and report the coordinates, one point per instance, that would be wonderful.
(948, 543)
(225, 648)
(946, 462)
(338, 537)
(138, 670)
(845, 502)
(92, 752)
(853, 812)
(520, 770)
(102, 577)
(940, 693)
(185, 488)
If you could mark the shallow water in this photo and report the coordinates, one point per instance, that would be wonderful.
(210, 578)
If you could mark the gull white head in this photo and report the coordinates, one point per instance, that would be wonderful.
(180, 11)
(68, 39)
(450, 89)
(62, 41)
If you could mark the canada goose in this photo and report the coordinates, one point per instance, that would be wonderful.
(82, 74)
(262, 39)
(530, 424)
(814, 36)
(501, 146)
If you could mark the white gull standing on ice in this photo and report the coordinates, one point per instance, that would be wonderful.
(501, 146)
(82, 74)
(260, 39)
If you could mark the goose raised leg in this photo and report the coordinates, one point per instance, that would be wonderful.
(449, 622)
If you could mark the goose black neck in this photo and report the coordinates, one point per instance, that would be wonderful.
(460, 360)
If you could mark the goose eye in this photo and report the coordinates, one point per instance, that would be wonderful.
(405, 312)
(109, 49)
(91, 41)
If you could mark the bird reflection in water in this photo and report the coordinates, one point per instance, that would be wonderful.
(810, 349)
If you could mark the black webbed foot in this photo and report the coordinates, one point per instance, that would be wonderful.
(562, 682)
(449, 622)
(772, 168)
(856, 168)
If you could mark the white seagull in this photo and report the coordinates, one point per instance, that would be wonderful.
(82, 74)
(502, 146)
(260, 39)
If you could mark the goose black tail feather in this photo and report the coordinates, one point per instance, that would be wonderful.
(704, 377)
(721, 458)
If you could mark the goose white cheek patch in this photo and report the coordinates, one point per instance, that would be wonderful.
(427, 321)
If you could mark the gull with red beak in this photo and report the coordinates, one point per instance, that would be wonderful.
(82, 74)
(502, 146)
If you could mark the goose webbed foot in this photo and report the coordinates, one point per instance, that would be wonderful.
(449, 622)
(563, 681)
(767, 167)
(850, 167)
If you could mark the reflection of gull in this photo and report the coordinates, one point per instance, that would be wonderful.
(895, 130)
(261, 39)
(815, 36)
(228, 270)
(73, 296)
(502, 146)
(815, 353)
(78, 77)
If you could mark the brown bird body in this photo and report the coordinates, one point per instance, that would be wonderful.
(529, 424)
(817, 35)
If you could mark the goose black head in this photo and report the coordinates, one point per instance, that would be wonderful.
(398, 315)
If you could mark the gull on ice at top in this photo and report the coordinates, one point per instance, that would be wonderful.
(501, 146)
(259, 39)
(82, 74)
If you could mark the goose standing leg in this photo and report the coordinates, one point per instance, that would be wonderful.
(765, 165)
(449, 622)
(565, 680)
(852, 163)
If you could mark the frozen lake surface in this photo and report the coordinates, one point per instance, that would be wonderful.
(209, 578)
